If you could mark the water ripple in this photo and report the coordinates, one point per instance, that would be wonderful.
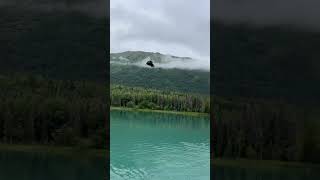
(152, 152)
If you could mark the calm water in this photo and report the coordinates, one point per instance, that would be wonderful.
(158, 146)
(144, 146)
(40, 166)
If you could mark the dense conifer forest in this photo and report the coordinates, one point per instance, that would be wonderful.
(37, 110)
(53, 74)
(266, 93)
(265, 130)
(143, 98)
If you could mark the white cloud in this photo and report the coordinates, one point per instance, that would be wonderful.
(176, 27)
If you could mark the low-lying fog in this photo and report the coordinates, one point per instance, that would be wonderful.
(167, 62)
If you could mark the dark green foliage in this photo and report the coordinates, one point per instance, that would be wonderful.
(124, 71)
(275, 71)
(256, 61)
(131, 104)
(34, 109)
(53, 72)
(56, 44)
(123, 96)
(192, 81)
(265, 130)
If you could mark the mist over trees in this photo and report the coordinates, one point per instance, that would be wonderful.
(180, 80)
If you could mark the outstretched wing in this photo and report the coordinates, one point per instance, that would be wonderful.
(150, 63)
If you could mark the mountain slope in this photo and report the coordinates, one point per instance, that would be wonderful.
(128, 68)
(266, 62)
(139, 58)
(55, 44)
(194, 81)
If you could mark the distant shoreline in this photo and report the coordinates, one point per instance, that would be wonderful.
(160, 111)
(102, 153)
(54, 150)
(261, 164)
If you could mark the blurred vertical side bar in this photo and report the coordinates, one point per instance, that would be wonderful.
(54, 84)
(265, 79)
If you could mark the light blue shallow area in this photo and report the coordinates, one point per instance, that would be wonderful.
(159, 146)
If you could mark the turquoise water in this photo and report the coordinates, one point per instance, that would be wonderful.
(43, 166)
(159, 146)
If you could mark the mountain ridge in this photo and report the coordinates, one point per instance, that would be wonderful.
(139, 58)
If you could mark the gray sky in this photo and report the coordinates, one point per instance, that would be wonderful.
(176, 27)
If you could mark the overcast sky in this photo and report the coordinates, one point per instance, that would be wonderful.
(176, 27)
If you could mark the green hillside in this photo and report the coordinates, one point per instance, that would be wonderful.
(266, 103)
(57, 44)
(195, 81)
(128, 68)
(72, 46)
(269, 62)
(53, 73)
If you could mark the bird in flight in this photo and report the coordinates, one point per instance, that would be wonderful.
(150, 63)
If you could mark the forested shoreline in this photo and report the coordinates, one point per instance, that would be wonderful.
(265, 82)
(39, 110)
(265, 130)
(144, 98)
(36, 110)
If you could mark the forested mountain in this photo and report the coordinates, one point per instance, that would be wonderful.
(266, 93)
(57, 43)
(132, 57)
(53, 74)
(194, 81)
(71, 45)
(129, 68)
(266, 61)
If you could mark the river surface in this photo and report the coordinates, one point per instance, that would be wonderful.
(159, 146)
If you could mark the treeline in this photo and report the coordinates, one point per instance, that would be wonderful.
(36, 110)
(265, 130)
(142, 98)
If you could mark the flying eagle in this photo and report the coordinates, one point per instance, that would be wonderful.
(150, 63)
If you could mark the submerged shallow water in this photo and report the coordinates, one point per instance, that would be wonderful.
(159, 146)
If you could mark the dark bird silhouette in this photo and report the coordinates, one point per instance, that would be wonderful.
(150, 63)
